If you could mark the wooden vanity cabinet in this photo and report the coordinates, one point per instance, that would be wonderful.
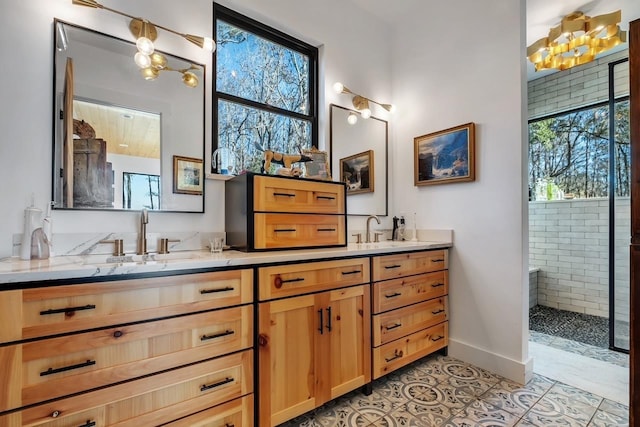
(141, 351)
(266, 212)
(315, 346)
(410, 308)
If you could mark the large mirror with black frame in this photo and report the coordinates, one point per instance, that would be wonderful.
(119, 128)
(359, 149)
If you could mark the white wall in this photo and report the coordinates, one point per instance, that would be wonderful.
(453, 62)
(457, 62)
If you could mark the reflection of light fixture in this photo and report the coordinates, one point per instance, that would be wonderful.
(142, 27)
(361, 103)
(158, 62)
(578, 39)
(145, 32)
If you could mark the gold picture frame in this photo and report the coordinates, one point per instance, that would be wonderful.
(357, 173)
(445, 156)
(188, 175)
(318, 166)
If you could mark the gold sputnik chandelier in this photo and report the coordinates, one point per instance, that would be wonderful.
(360, 103)
(151, 63)
(577, 40)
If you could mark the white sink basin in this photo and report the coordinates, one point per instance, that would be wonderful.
(139, 259)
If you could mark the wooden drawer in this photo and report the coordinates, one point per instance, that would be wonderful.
(69, 308)
(398, 353)
(296, 279)
(407, 320)
(149, 401)
(57, 367)
(396, 293)
(273, 231)
(237, 413)
(273, 194)
(399, 265)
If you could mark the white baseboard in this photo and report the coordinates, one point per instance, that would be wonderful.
(520, 372)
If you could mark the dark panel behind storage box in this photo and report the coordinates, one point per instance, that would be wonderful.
(301, 213)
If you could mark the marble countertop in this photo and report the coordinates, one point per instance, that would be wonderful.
(14, 270)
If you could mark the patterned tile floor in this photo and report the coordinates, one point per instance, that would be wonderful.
(594, 352)
(442, 391)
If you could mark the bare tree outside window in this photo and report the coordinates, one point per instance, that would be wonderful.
(265, 90)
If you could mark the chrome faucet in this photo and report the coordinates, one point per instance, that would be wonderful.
(142, 232)
(367, 238)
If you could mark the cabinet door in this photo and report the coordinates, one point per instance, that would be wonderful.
(288, 340)
(349, 332)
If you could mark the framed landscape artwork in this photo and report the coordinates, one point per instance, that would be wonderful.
(445, 156)
(357, 172)
(188, 176)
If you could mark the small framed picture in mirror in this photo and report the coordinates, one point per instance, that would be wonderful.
(188, 176)
(357, 172)
(318, 166)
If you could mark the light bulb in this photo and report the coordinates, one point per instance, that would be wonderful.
(190, 79)
(352, 119)
(209, 44)
(142, 60)
(338, 87)
(144, 45)
(149, 73)
(365, 113)
(158, 61)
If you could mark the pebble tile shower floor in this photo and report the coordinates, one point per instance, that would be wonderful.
(443, 391)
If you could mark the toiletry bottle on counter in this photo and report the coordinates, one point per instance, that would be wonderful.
(31, 223)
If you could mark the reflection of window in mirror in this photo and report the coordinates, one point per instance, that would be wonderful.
(140, 191)
(113, 140)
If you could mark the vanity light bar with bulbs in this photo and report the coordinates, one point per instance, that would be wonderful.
(360, 103)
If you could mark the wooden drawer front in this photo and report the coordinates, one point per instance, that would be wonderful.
(274, 231)
(398, 353)
(67, 308)
(61, 366)
(394, 266)
(404, 321)
(237, 413)
(152, 400)
(397, 293)
(288, 280)
(287, 195)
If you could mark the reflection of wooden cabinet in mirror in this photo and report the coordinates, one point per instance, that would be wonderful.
(142, 124)
(352, 140)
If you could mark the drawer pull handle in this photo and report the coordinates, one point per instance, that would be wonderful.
(328, 319)
(213, 291)
(396, 355)
(69, 311)
(438, 338)
(218, 335)
(284, 194)
(344, 273)
(326, 229)
(52, 371)
(326, 197)
(437, 285)
(438, 311)
(206, 387)
(389, 267)
(89, 423)
(321, 328)
(393, 295)
(284, 230)
(397, 325)
(438, 260)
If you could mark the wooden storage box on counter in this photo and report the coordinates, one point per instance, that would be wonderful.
(266, 212)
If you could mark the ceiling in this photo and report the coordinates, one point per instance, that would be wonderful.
(541, 14)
